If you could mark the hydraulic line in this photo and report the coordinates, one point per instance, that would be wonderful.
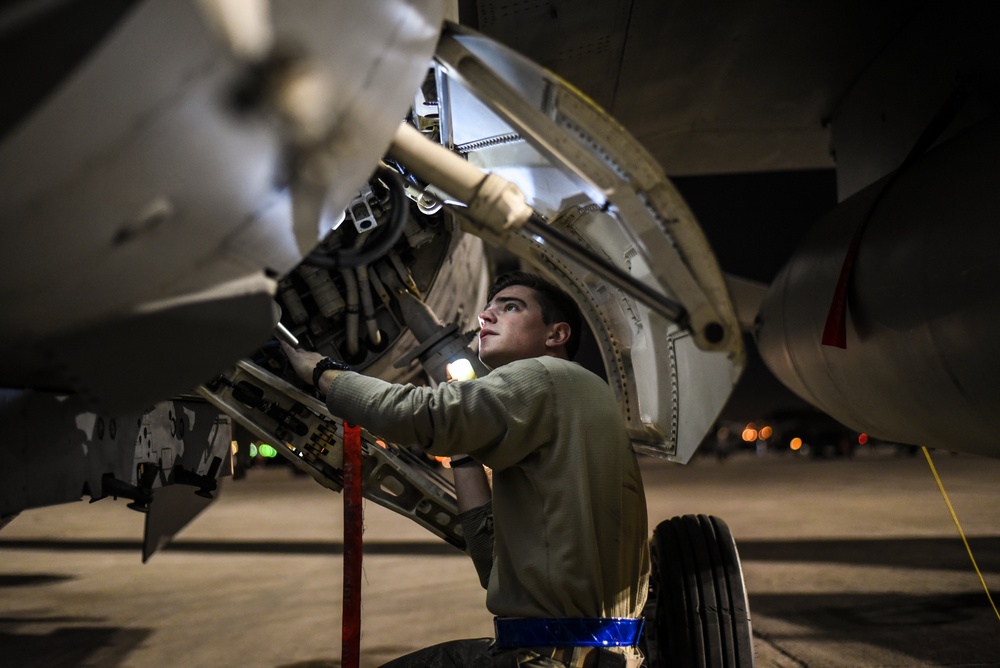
(383, 294)
(352, 324)
(404, 273)
(367, 305)
(350, 258)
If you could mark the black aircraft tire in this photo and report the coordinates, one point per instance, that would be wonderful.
(700, 614)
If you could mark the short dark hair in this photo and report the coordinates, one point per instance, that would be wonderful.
(557, 306)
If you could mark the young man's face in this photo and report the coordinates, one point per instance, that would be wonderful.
(512, 328)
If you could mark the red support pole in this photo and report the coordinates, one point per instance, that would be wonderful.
(350, 653)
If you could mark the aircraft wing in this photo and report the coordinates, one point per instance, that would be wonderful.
(707, 88)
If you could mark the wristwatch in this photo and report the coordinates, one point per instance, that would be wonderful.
(461, 460)
(327, 364)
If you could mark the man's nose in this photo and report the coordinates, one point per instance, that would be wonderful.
(487, 315)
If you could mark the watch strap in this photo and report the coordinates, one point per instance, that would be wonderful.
(461, 460)
(327, 364)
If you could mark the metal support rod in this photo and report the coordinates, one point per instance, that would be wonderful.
(563, 244)
(498, 205)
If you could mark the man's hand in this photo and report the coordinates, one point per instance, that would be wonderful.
(303, 361)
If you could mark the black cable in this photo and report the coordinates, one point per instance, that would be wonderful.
(357, 257)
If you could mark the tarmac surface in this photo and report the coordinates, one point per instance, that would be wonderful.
(848, 562)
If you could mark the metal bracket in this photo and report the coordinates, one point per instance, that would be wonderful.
(300, 427)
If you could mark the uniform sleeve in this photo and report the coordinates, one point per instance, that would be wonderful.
(499, 419)
(477, 527)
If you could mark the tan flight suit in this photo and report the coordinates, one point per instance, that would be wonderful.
(569, 512)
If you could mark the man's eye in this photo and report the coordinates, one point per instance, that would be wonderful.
(510, 307)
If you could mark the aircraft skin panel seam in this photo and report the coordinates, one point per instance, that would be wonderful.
(674, 393)
(609, 349)
(621, 58)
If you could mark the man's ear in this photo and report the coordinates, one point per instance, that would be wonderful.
(559, 334)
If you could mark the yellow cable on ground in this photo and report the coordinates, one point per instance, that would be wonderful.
(951, 509)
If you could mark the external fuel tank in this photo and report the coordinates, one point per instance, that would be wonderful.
(921, 364)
